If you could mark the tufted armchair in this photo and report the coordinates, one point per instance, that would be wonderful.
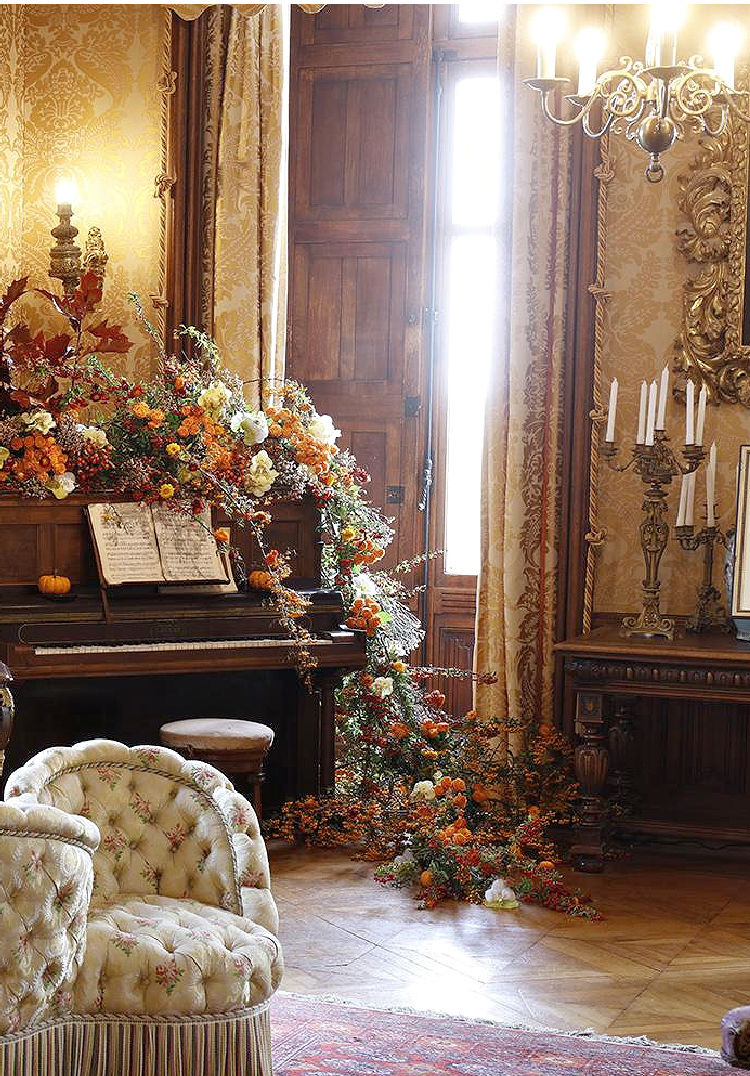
(181, 956)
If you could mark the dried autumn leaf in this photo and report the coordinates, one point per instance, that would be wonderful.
(14, 291)
(87, 295)
(110, 338)
(56, 348)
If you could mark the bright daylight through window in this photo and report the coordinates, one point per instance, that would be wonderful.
(471, 282)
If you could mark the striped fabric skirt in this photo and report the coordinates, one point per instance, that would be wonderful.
(237, 1044)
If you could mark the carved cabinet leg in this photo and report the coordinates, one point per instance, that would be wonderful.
(592, 766)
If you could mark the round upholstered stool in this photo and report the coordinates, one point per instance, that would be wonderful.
(232, 746)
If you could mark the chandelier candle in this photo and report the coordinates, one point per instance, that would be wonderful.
(657, 464)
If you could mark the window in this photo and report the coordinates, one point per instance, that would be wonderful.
(468, 256)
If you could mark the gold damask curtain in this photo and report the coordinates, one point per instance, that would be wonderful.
(243, 189)
(521, 494)
(250, 272)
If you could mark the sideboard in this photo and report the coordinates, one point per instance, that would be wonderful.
(604, 672)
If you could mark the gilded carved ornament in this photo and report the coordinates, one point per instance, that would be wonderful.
(713, 197)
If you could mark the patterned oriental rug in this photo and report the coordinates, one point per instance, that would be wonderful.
(321, 1038)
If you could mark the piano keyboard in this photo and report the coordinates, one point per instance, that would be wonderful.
(197, 644)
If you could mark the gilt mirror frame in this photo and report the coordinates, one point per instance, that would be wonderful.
(714, 342)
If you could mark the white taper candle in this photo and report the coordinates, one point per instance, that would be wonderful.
(683, 502)
(641, 435)
(663, 393)
(701, 420)
(711, 485)
(651, 416)
(690, 508)
(612, 411)
(689, 413)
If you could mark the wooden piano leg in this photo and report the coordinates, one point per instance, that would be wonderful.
(7, 711)
(328, 683)
(591, 765)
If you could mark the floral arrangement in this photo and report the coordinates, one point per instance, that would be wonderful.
(437, 801)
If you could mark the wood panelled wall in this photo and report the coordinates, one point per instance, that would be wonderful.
(360, 81)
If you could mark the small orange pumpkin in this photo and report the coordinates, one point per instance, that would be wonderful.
(53, 584)
(426, 878)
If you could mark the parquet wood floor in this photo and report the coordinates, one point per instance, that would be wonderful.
(672, 955)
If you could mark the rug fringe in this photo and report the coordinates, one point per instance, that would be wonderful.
(583, 1033)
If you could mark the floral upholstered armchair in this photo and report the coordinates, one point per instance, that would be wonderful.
(180, 956)
(735, 1037)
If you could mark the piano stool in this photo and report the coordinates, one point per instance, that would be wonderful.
(234, 747)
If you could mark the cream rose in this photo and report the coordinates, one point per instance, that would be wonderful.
(92, 434)
(253, 425)
(62, 484)
(42, 421)
(323, 429)
(423, 790)
(382, 686)
(260, 475)
(214, 399)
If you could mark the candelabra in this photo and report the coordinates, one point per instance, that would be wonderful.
(657, 465)
(710, 612)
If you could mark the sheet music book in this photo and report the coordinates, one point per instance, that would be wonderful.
(140, 543)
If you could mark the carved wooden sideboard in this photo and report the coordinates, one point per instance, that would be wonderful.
(602, 669)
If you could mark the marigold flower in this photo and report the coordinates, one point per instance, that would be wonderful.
(221, 534)
(173, 450)
(141, 409)
(166, 490)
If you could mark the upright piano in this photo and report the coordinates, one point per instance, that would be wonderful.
(83, 668)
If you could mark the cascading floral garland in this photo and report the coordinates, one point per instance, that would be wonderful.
(434, 799)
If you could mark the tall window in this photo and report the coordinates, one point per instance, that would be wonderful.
(467, 286)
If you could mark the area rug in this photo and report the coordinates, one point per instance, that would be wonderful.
(320, 1038)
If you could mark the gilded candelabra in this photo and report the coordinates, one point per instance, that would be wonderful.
(710, 612)
(657, 465)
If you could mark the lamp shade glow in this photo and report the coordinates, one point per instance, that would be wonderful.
(65, 190)
(589, 50)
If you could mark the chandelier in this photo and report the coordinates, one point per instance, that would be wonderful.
(653, 101)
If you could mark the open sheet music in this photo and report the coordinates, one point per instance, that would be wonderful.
(139, 543)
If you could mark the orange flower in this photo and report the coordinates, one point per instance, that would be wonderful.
(141, 409)
(166, 490)
(221, 534)
(546, 865)
(399, 730)
(458, 785)
(459, 802)
(533, 812)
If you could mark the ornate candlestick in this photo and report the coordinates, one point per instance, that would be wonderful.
(657, 465)
(710, 612)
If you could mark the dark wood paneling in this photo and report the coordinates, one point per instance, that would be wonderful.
(455, 650)
(349, 24)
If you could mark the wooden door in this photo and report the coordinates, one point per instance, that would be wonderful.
(359, 98)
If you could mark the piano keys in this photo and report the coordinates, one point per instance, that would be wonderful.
(161, 656)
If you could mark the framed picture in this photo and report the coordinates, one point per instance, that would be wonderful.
(741, 572)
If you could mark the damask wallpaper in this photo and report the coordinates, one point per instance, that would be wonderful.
(645, 274)
(80, 97)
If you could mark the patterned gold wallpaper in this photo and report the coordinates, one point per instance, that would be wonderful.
(645, 274)
(79, 96)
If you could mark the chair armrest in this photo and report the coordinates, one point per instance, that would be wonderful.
(25, 815)
(251, 858)
(735, 1037)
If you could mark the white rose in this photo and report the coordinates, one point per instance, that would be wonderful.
(38, 420)
(323, 429)
(62, 484)
(215, 398)
(382, 686)
(253, 426)
(260, 475)
(500, 895)
(364, 585)
(423, 790)
(92, 434)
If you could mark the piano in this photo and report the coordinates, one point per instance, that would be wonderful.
(82, 668)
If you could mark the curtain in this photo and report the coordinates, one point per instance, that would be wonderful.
(233, 127)
(250, 269)
(521, 494)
